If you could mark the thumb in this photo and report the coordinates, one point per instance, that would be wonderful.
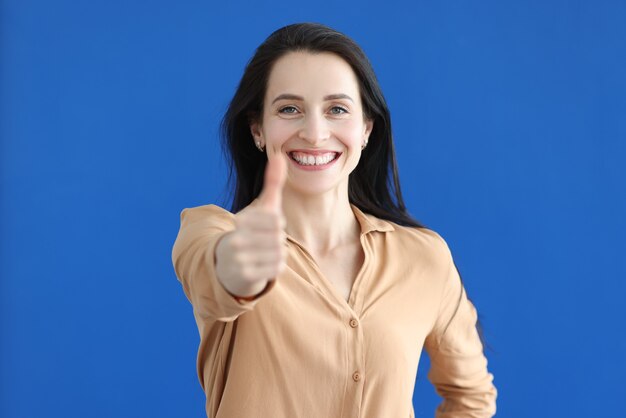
(275, 175)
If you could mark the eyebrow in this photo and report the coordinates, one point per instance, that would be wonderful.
(288, 96)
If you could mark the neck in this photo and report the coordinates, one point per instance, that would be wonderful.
(321, 223)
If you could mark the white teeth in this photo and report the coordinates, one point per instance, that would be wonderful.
(305, 159)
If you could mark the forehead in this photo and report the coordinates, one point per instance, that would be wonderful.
(312, 75)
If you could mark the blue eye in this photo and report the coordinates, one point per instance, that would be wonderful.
(338, 110)
(290, 110)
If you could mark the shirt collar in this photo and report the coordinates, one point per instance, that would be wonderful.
(371, 223)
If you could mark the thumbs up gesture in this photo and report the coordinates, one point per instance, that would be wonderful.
(254, 253)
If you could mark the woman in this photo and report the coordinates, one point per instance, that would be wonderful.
(315, 296)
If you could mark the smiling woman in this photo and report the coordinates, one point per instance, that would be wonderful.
(316, 293)
(313, 117)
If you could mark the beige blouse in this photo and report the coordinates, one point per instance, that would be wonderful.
(301, 350)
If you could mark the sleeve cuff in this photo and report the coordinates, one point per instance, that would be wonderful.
(244, 299)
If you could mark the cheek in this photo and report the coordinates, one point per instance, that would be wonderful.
(278, 131)
(351, 133)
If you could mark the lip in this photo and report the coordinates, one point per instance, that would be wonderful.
(313, 167)
(314, 152)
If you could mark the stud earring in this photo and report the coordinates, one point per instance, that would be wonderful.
(258, 145)
(364, 144)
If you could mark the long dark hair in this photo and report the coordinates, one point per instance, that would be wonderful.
(374, 185)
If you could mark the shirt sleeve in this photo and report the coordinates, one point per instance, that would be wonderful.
(193, 256)
(458, 366)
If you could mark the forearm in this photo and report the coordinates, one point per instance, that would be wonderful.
(466, 387)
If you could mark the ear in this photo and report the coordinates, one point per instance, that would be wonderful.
(367, 130)
(255, 130)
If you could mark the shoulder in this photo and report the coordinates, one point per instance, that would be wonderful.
(423, 244)
(425, 238)
(406, 240)
(208, 215)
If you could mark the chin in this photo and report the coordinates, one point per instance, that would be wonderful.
(311, 189)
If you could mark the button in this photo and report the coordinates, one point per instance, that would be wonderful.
(356, 376)
(354, 323)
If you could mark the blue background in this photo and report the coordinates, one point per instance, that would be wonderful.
(510, 127)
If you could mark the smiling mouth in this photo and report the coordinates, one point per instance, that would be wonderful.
(306, 159)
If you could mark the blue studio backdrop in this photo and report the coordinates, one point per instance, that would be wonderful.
(510, 128)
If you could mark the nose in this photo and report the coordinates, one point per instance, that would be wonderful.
(314, 129)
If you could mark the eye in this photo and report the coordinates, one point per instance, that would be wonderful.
(338, 110)
(289, 110)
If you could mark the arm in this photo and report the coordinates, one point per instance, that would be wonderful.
(193, 256)
(458, 366)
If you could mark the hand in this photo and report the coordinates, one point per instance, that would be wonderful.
(254, 253)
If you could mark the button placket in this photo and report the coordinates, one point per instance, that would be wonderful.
(355, 368)
(357, 374)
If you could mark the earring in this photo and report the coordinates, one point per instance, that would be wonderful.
(258, 145)
(364, 144)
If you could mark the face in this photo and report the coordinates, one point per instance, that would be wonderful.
(313, 116)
